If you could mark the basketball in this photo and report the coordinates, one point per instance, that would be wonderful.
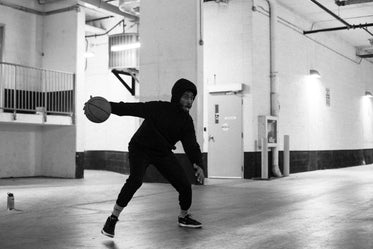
(97, 109)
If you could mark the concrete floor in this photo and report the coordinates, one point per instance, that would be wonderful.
(320, 209)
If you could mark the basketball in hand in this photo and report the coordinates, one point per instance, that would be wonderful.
(97, 109)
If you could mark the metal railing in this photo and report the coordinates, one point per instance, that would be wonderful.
(26, 89)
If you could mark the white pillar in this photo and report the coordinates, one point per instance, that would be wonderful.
(170, 50)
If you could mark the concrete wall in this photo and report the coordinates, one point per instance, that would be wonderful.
(304, 115)
(20, 150)
(228, 54)
(116, 132)
(39, 41)
(236, 50)
(58, 152)
(23, 35)
(170, 51)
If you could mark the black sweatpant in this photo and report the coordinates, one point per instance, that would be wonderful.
(167, 165)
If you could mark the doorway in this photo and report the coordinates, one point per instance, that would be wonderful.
(225, 153)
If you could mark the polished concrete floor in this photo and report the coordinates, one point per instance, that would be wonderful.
(320, 209)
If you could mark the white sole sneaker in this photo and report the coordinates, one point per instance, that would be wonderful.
(107, 234)
(190, 226)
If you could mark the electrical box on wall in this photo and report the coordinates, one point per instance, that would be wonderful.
(267, 128)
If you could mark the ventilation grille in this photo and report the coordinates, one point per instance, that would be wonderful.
(126, 58)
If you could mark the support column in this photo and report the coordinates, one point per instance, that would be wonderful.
(170, 50)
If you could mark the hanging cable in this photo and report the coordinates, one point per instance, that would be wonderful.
(107, 32)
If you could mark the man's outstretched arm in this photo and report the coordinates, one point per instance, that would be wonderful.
(129, 109)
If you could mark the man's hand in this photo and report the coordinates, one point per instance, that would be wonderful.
(199, 173)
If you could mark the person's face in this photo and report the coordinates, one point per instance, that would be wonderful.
(186, 101)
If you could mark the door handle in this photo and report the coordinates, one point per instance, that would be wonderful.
(211, 138)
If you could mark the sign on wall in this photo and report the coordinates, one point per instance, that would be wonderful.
(327, 96)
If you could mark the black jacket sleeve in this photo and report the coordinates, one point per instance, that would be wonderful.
(129, 109)
(190, 144)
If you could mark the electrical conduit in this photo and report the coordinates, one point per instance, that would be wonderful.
(275, 104)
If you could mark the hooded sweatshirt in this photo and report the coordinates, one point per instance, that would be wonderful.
(165, 123)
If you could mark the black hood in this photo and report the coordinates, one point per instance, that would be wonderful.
(180, 87)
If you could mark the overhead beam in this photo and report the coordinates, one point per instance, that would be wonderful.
(338, 18)
(100, 4)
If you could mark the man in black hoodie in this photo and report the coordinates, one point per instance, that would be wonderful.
(165, 123)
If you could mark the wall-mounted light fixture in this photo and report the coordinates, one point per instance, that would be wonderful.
(315, 74)
(368, 94)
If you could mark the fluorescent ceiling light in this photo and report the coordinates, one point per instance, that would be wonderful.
(123, 47)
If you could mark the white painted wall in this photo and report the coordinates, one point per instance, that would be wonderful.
(23, 35)
(228, 54)
(58, 151)
(19, 150)
(116, 132)
(304, 115)
(63, 49)
(49, 42)
(346, 124)
(169, 51)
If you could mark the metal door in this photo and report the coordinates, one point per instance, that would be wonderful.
(225, 153)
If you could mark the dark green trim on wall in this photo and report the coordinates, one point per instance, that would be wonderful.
(302, 161)
(117, 161)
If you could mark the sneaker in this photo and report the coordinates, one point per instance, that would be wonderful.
(187, 221)
(109, 226)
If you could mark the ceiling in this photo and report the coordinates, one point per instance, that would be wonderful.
(354, 14)
(360, 12)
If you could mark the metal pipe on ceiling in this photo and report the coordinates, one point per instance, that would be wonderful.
(338, 18)
(358, 26)
(349, 2)
(107, 32)
(330, 12)
(99, 19)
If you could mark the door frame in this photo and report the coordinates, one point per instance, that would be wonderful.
(241, 144)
